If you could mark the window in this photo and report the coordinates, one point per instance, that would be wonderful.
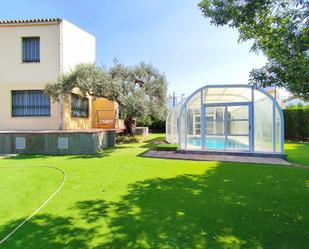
(79, 106)
(32, 103)
(31, 49)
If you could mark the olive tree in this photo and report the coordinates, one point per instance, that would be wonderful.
(139, 90)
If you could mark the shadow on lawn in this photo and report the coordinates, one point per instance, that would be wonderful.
(102, 153)
(28, 156)
(230, 206)
(151, 144)
(48, 232)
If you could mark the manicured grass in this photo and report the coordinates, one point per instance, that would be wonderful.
(121, 200)
(298, 152)
(19, 193)
(165, 146)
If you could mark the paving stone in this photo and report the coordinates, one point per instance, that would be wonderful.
(223, 158)
(151, 153)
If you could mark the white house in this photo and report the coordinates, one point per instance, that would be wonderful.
(33, 53)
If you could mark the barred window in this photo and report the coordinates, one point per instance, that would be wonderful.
(79, 106)
(30, 103)
(31, 49)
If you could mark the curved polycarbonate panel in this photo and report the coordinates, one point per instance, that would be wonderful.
(227, 94)
(229, 118)
(263, 122)
(172, 124)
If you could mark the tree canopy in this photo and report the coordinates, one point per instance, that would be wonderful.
(139, 90)
(279, 29)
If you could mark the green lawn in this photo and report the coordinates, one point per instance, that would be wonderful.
(121, 200)
(298, 152)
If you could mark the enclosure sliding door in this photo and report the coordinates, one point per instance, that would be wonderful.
(227, 126)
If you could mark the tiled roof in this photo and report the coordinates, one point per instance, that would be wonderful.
(30, 20)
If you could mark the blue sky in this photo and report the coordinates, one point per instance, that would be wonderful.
(172, 35)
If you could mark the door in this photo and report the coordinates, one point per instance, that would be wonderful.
(227, 126)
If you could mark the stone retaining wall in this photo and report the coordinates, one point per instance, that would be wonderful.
(55, 142)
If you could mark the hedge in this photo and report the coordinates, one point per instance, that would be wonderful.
(296, 124)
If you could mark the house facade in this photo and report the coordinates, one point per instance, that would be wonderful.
(36, 52)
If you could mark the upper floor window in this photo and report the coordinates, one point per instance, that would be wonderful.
(30, 103)
(79, 106)
(31, 49)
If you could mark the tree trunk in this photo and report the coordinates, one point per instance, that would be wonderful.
(130, 125)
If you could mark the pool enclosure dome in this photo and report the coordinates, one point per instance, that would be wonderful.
(241, 118)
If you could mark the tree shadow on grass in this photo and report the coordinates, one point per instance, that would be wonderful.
(48, 232)
(233, 206)
(152, 143)
(28, 156)
(230, 206)
(93, 210)
(100, 154)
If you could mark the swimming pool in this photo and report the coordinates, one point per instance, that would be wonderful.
(218, 143)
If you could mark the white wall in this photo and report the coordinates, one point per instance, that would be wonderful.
(78, 46)
(62, 46)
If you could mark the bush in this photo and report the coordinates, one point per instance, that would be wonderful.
(296, 124)
(154, 124)
(125, 139)
(144, 121)
(158, 126)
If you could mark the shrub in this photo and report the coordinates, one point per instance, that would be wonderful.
(296, 124)
(145, 121)
(154, 124)
(158, 126)
(124, 139)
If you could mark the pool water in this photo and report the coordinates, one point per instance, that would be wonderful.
(218, 143)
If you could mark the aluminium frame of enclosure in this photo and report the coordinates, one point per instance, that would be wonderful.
(275, 105)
